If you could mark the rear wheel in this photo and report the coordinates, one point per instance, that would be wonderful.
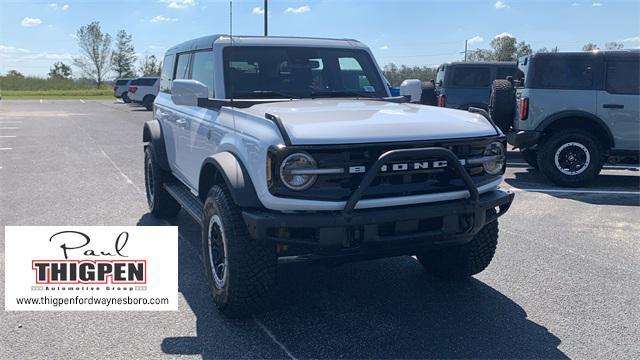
(531, 157)
(571, 158)
(161, 204)
(463, 261)
(241, 272)
(147, 102)
(125, 97)
(502, 104)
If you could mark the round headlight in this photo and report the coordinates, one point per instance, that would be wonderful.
(294, 171)
(496, 158)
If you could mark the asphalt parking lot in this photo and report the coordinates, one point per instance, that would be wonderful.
(564, 283)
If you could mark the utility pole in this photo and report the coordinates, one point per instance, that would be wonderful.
(266, 18)
(465, 48)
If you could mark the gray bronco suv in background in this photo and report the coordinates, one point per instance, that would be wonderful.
(291, 149)
(572, 112)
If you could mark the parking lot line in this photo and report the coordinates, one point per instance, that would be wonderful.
(622, 167)
(9, 128)
(82, 101)
(273, 338)
(11, 122)
(5, 149)
(7, 136)
(576, 191)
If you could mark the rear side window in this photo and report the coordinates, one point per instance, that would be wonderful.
(122, 82)
(622, 77)
(569, 73)
(182, 67)
(166, 76)
(468, 76)
(144, 81)
(202, 69)
(503, 73)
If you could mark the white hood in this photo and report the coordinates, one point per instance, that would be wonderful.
(349, 121)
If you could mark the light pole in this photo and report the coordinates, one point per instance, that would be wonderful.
(266, 20)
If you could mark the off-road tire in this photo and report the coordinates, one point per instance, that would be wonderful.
(251, 265)
(161, 204)
(547, 153)
(125, 97)
(147, 102)
(462, 261)
(531, 157)
(428, 96)
(502, 104)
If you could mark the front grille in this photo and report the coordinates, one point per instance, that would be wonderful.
(338, 187)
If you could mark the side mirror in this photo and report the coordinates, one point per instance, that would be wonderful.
(187, 92)
(412, 88)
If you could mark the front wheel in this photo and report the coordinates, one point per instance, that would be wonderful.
(571, 158)
(241, 272)
(463, 261)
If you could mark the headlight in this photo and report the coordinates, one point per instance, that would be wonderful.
(495, 158)
(293, 171)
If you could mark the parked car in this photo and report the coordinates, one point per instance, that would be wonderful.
(144, 91)
(572, 112)
(292, 149)
(461, 85)
(120, 87)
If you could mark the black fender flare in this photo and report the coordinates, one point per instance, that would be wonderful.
(575, 114)
(152, 135)
(225, 166)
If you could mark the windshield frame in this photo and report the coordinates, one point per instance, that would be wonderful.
(363, 56)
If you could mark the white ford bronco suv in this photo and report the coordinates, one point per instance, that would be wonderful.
(287, 149)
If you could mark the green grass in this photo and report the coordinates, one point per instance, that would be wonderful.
(88, 94)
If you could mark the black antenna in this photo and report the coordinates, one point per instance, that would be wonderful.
(266, 18)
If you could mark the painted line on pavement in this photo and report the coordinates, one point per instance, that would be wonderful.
(570, 191)
(273, 338)
(604, 167)
(9, 128)
(82, 101)
(1, 149)
(7, 136)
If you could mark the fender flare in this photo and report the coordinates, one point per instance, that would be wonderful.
(575, 114)
(226, 167)
(152, 134)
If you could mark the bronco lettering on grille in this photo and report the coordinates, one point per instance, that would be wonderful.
(399, 167)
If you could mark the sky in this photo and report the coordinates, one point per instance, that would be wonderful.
(36, 33)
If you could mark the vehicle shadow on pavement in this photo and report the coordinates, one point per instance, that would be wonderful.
(378, 309)
(532, 179)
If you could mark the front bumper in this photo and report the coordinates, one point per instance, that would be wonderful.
(524, 139)
(444, 223)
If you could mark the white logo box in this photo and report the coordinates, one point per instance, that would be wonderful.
(91, 268)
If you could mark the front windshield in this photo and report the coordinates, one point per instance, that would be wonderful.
(294, 72)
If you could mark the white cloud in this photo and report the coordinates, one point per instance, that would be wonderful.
(475, 39)
(72, 35)
(258, 10)
(65, 7)
(299, 10)
(178, 4)
(13, 50)
(384, 47)
(161, 18)
(53, 5)
(503, 35)
(596, 4)
(501, 5)
(29, 22)
(631, 39)
(575, 4)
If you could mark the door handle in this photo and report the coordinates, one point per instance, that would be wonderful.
(613, 106)
(181, 121)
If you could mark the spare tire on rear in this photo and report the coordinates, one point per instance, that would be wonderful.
(502, 104)
(428, 96)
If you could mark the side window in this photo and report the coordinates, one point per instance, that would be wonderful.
(182, 66)
(569, 73)
(622, 77)
(467, 76)
(440, 76)
(503, 73)
(352, 76)
(202, 69)
(166, 76)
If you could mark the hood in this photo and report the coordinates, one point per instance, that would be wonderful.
(351, 121)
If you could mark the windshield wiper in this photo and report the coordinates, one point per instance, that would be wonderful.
(340, 93)
(261, 94)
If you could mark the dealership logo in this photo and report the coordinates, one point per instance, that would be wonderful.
(119, 270)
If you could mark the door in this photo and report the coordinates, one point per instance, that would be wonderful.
(177, 118)
(619, 103)
(199, 137)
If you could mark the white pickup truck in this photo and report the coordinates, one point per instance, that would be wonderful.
(292, 149)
